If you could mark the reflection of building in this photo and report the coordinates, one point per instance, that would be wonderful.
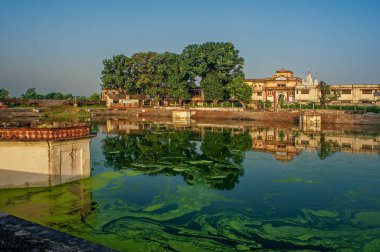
(121, 126)
(287, 143)
(283, 86)
(280, 143)
(360, 144)
(284, 143)
(43, 157)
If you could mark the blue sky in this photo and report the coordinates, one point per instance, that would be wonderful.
(60, 45)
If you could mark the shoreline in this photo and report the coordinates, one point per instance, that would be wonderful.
(235, 114)
(328, 117)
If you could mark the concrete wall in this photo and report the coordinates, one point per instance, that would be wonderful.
(43, 163)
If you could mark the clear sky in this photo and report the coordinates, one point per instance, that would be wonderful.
(60, 45)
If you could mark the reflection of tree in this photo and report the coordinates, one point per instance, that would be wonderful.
(218, 166)
(224, 148)
(281, 135)
(328, 147)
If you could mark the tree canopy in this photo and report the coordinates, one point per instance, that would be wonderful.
(217, 65)
(31, 93)
(4, 93)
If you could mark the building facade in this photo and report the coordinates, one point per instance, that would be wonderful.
(284, 87)
(280, 87)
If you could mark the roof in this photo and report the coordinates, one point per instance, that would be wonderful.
(283, 70)
(272, 79)
(255, 80)
(116, 96)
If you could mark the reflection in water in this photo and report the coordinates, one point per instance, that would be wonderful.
(317, 201)
(217, 164)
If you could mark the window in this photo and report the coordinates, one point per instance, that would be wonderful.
(366, 147)
(346, 145)
(345, 91)
(366, 91)
(259, 93)
(259, 137)
(304, 91)
(304, 142)
(281, 85)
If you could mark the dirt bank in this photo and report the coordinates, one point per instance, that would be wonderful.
(328, 116)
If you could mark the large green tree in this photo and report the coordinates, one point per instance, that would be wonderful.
(177, 81)
(116, 72)
(213, 87)
(147, 75)
(216, 65)
(94, 97)
(239, 90)
(220, 64)
(31, 93)
(4, 93)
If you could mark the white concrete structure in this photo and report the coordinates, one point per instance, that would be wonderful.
(43, 163)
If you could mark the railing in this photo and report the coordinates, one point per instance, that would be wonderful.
(35, 134)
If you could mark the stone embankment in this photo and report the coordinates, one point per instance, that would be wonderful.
(328, 116)
(15, 113)
(20, 235)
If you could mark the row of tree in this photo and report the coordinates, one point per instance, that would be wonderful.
(216, 66)
(31, 93)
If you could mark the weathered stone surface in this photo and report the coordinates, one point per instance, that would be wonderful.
(20, 235)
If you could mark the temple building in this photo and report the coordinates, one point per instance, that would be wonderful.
(279, 87)
(284, 87)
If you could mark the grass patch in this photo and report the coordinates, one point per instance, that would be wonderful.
(66, 113)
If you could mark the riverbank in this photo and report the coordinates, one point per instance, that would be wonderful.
(20, 235)
(239, 114)
(234, 114)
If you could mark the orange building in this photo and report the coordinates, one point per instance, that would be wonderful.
(280, 87)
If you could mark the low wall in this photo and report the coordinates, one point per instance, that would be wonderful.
(20, 235)
(12, 113)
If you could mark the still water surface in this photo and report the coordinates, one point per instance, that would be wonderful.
(208, 188)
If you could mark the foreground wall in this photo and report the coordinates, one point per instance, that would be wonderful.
(43, 163)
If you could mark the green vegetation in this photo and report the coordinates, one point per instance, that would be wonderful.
(4, 93)
(31, 93)
(66, 113)
(327, 94)
(371, 108)
(217, 67)
(94, 97)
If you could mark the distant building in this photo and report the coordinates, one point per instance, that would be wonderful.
(284, 86)
(120, 100)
